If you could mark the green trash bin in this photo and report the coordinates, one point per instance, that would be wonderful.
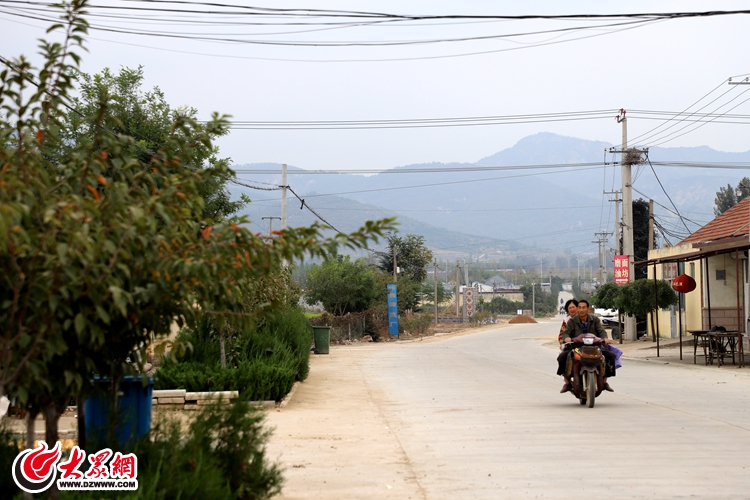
(322, 336)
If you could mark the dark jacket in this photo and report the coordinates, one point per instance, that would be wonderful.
(574, 327)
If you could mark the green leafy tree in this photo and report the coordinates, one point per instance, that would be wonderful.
(640, 235)
(147, 117)
(412, 258)
(101, 248)
(727, 197)
(428, 292)
(636, 298)
(341, 285)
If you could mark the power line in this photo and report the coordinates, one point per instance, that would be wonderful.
(666, 194)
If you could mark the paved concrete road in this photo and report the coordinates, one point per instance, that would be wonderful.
(480, 416)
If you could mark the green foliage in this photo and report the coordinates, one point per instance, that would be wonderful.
(147, 117)
(103, 241)
(640, 235)
(219, 454)
(341, 285)
(607, 296)
(412, 256)
(727, 197)
(407, 290)
(635, 298)
(263, 364)
(501, 305)
(417, 324)
(428, 293)
(9, 448)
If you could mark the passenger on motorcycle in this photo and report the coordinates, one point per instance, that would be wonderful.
(580, 324)
(571, 307)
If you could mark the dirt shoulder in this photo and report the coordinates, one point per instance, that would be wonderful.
(332, 438)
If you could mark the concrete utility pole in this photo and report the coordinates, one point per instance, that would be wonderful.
(435, 299)
(618, 224)
(458, 284)
(466, 273)
(270, 223)
(601, 242)
(533, 300)
(395, 264)
(283, 197)
(627, 214)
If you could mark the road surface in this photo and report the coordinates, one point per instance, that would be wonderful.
(480, 416)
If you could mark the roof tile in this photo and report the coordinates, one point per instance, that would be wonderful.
(733, 222)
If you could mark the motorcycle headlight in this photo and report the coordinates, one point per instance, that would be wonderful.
(588, 341)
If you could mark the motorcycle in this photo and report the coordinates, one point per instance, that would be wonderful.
(586, 368)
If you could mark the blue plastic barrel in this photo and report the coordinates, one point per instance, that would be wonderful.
(133, 411)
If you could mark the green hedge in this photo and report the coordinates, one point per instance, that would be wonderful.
(265, 363)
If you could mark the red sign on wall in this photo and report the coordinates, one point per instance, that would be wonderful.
(622, 269)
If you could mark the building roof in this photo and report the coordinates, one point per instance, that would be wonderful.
(733, 222)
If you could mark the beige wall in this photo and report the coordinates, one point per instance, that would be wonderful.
(723, 292)
(693, 301)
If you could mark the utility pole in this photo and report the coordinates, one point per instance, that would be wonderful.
(435, 299)
(627, 212)
(270, 223)
(601, 242)
(395, 264)
(651, 225)
(541, 271)
(533, 300)
(466, 273)
(618, 224)
(458, 284)
(283, 197)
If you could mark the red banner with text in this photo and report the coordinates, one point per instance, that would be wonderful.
(622, 269)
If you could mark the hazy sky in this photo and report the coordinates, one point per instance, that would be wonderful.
(663, 66)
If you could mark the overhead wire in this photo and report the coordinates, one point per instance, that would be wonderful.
(152, 153)
(647, 134)
(667, 139)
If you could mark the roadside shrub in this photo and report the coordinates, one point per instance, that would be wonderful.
(9, 449)
(417, 324)
(219, 454)
(263, 366)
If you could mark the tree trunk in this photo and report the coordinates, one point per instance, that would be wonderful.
(653, 328)
(52, 414)
(223, 349)
(31, 414)
(81, 423)
(30, 419)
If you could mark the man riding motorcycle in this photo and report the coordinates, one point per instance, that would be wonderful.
(578, 325)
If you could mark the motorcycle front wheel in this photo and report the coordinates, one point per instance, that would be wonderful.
(590, 389)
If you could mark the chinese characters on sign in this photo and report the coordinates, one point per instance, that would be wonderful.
(622, 269)
(669, 270)
(392, 310)
(470, 295)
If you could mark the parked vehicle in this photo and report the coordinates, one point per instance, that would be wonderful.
(608, 316)
(587, 378)
(640, 327)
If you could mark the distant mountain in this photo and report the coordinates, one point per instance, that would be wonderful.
(554, 209)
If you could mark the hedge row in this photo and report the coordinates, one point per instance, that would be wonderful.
(262, 364)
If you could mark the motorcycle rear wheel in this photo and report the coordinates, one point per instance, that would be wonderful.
(590, 389)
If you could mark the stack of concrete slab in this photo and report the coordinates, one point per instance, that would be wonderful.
(195, 400)
(180, 399)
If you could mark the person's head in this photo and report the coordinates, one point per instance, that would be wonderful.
(571, 307)
(583, 308)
